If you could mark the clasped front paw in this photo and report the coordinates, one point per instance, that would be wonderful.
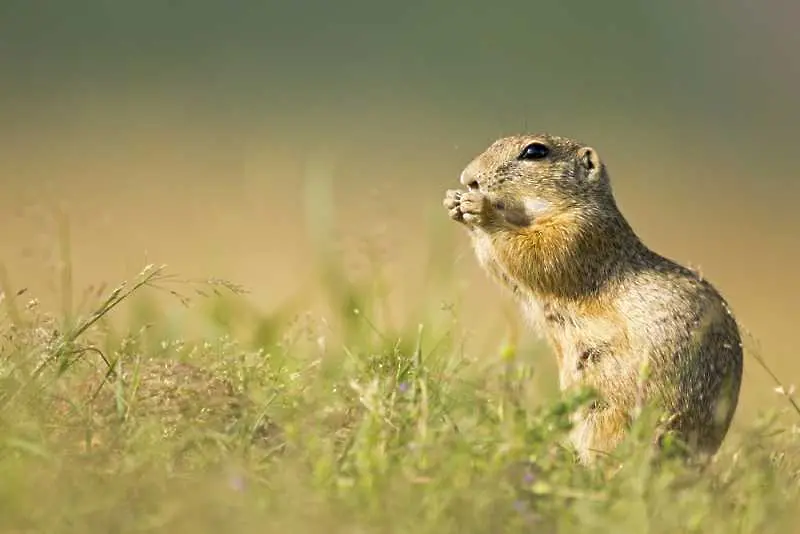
(470, 207)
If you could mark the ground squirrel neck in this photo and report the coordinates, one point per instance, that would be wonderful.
(576, 254)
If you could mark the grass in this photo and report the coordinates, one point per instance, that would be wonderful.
(286, 421)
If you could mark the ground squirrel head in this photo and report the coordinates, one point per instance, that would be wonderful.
(540, 174)
(546, 202)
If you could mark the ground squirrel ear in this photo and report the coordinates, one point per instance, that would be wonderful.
(590, 161)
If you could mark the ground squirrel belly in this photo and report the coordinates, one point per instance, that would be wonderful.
(621, 319)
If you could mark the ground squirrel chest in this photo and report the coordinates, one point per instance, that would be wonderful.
(543, 222)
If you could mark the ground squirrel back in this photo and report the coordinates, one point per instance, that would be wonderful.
(544, 223)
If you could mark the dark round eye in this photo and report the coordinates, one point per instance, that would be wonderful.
(534, 151)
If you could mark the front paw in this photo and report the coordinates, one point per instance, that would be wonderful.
(452, 203)
(476, 209)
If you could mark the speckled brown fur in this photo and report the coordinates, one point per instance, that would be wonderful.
(548, 229)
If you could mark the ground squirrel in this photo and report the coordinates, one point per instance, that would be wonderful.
(621, 319)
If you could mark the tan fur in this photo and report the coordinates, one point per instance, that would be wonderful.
(633, 325)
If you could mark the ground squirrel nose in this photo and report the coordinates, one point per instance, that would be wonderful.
(469, 182)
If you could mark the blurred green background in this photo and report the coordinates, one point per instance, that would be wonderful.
(186, 132)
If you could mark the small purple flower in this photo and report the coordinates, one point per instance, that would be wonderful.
(528, 478)
(236, 482)
(403, 387)
(520, 506)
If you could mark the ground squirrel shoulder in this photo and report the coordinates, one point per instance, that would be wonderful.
(544, 223)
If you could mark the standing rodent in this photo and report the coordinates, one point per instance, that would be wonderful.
(621, 319)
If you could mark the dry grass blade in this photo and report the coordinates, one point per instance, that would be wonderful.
(66, 346)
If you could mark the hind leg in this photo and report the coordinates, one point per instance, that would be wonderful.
(598, 432)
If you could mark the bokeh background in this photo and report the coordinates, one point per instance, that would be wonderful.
(193, 133)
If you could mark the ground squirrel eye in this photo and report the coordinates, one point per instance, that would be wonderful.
(534, 151)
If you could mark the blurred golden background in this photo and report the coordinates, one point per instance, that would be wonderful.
(186, 133)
